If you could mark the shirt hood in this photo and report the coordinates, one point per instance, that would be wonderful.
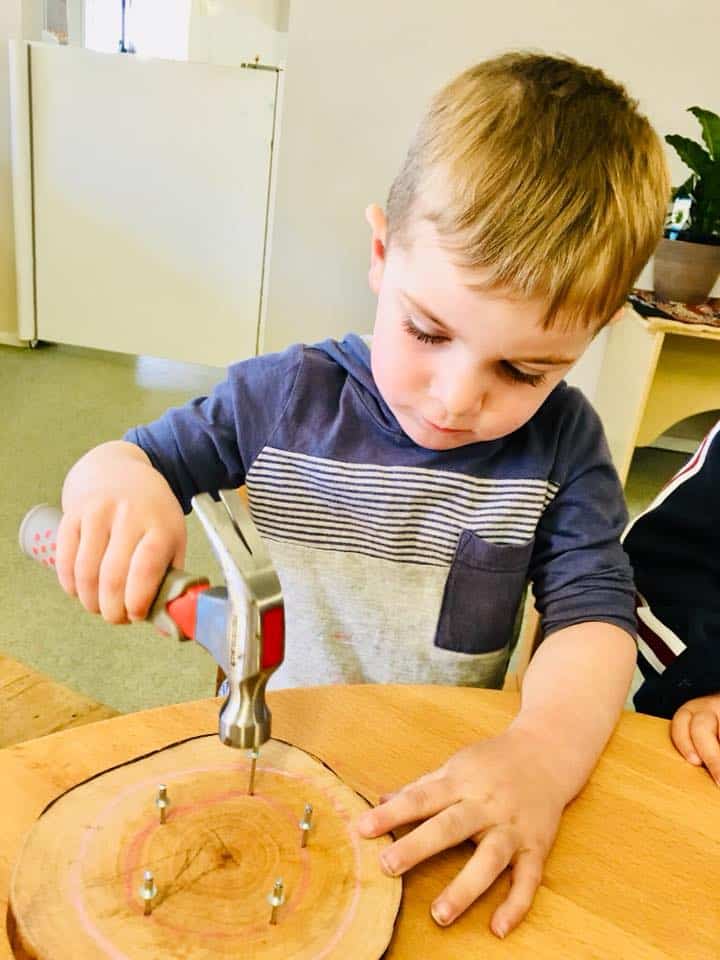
(352, 354)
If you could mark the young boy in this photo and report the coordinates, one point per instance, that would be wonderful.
(673, 548)
(409, 486)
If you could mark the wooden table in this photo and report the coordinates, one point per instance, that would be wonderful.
(635, 872)
(33, 705)
(655, 372)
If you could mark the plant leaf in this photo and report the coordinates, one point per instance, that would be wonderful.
(711, 182)
(690, 152)
(710, 123)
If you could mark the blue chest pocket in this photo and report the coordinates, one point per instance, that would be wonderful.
(482, 593)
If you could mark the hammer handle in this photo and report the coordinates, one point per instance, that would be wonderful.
(174, 607)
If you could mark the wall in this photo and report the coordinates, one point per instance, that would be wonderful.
(10, 24)
(358, 77)
(234, 31)
(18, 18)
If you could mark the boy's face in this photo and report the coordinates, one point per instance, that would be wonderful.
(457, 364)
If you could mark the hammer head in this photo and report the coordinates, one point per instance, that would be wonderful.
(255, 621)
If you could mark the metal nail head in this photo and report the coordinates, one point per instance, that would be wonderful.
(148, 891)
(305, 824)
(162, 802)
(276, 899)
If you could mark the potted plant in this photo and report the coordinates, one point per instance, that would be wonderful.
(687, 260)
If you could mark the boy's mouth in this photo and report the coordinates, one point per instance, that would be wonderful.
(442, 429)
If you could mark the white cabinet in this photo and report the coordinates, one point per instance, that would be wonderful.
(150, 198)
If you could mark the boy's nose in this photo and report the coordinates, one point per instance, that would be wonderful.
(461, 394)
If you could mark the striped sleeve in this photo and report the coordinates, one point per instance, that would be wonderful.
(674, 548)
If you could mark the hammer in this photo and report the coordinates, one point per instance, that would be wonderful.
(241, 624)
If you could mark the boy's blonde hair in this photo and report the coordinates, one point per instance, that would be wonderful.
(542, 173)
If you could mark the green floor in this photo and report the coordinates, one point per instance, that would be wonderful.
(58, 402)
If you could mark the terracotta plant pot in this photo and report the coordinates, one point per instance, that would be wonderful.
(685, 271)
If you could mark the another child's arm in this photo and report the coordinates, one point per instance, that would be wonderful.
(695, 731)
(508, 793)
(122, 528)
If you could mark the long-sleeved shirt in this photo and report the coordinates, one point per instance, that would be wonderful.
(674, 548)
(399, 563)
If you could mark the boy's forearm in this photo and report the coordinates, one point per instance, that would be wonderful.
(572, 695)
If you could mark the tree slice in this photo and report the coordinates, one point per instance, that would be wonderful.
(75, 889)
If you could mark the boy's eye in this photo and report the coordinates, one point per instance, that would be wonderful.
(420, 334)
(532, 379)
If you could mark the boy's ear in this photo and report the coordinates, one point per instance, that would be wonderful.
(618, 315)
(375, 217)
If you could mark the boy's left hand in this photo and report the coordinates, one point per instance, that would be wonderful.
(498, 793)
(695, 731)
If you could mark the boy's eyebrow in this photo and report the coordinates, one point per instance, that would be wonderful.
(550, 361)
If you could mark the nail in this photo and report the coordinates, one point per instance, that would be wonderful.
(694, 758)
(253, 754)
(440, 913)
(500, 930)
(162, 802)
(366, 823)
(305, 824)
(148, 891)
(276, 899)
(389, 864)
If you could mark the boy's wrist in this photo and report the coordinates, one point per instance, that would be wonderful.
(568, 761)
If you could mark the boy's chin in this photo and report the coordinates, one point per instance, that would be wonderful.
(429, 437)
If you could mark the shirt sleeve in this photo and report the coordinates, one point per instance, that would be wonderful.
(579, 569)
(674, 548)
(210, 443)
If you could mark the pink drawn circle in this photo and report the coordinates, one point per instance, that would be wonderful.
(76, 891)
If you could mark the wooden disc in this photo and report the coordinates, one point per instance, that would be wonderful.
(75, 892)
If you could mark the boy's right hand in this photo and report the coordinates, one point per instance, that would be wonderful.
(695, 731)
(122, 528)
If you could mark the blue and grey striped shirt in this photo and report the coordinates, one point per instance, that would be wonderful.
(398, 563)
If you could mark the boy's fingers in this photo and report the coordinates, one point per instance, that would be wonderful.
(94, 537)
(493, 854)
(68, 539)
(148, 566)
(446, 829)
(178, 560)
(704, 732)
(425, 778)
(680, 735)
(417, 802)
(526, 878)
(114, 574)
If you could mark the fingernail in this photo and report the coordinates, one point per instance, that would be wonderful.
(441, 913)
(388, 863)
(365, 823)
(500, 930)
(694, 758)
